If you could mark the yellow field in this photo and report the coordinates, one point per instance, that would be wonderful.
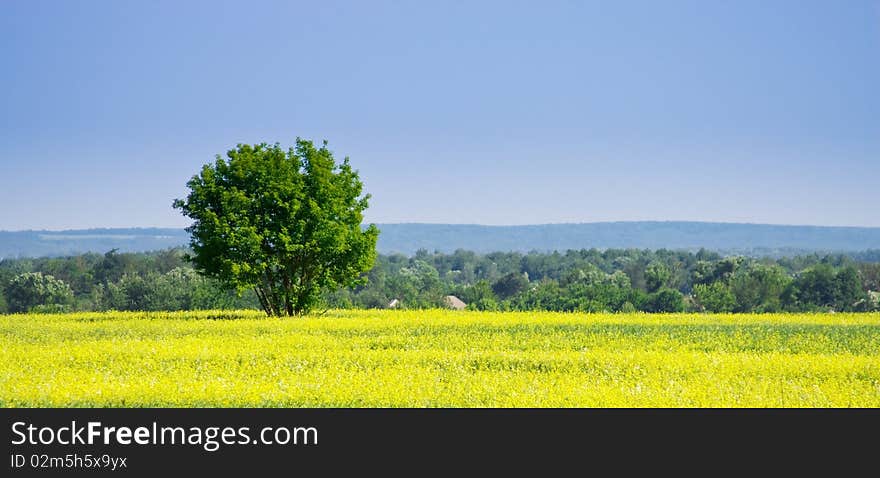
(439, 359)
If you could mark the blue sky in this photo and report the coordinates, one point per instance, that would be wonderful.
(454, 112)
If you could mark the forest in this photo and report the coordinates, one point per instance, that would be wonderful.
(587, 280)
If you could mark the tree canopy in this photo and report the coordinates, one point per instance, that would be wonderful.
(285, 223)
(586, 280)
(32, 289)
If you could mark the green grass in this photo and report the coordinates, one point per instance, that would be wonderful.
(439, 358)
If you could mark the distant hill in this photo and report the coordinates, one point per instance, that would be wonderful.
(62, 243)
(724, 237)
(756, 239)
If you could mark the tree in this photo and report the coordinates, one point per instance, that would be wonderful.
(870, 274)
(706, 272)
(848, 293)
(479, 296)
(703, 273)
(665, 300)
(812, 289)
(510, 285)
(416, 285)
(821, 287)
(285, 223)
(759, 288)
(657, 275)
(113, 266)
(543, 295)
(131, 292)
(714, 297)
(32, 289)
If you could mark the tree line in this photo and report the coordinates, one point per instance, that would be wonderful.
(613, 280)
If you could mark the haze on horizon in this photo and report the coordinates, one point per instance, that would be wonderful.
(479, 112)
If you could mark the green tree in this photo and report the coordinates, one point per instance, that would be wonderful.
(479, 296)
(759, 288)
(620, 279)
(543, 295)
(510, 285)
(285, 223)
(131, 292)
(823, 287)
(665, 300)
(714, 297)
(32, 289)
(418, 285)
(870, 274)
(848, 292)
(812, 289)
(703, 273)
(113, 266)
(657, 275)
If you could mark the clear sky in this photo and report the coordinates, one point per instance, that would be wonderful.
(455, 112)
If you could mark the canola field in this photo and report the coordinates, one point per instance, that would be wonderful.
(439, 358)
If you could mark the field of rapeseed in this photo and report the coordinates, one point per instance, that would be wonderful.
(439, 359)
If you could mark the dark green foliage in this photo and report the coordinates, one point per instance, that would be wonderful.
(758, 288)
(510, 285)
(707, 272)
(657, 276)
(848, 289)
(178, 289)
(131, 292)
(714, 297)
(113, 266)
(822, 287)
(544, 295)
(870, 275)
(816, 286)
(159, 280)
(33, 289)
(584, 280)
(286, 224)
(665, 300)
(479, 296)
